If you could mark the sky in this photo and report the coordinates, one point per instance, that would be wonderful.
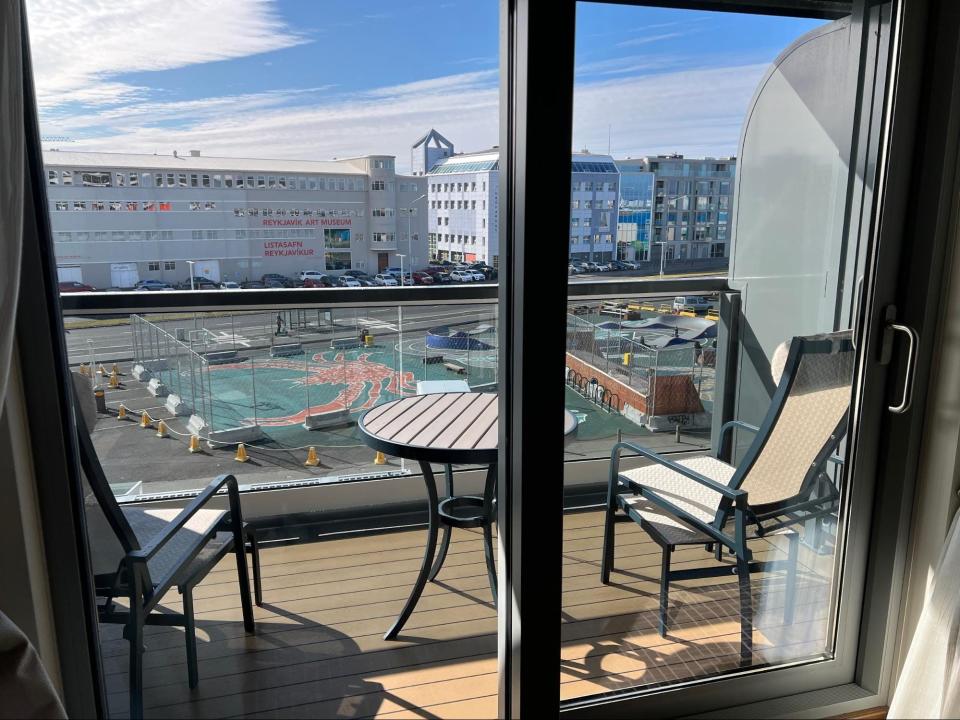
(319, 79)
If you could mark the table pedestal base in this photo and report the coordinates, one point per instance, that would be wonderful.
(466, 511)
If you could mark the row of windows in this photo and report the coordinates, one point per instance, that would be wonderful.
(457, 204)
(593, 167)
(333, 237)
(589, 186)
(90, 178)
(672, 218)
(687, 169)
(700, 202)
(592, 204)
(154, 266)
(458, 239)
(597, 238)
(450, 168)
(195, 205)
(446, 221)
(383, 237)
(458, 187)
(688, 187)
(586, 221)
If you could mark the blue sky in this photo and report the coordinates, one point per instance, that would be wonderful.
(333, 78)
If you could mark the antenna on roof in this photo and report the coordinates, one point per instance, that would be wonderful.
(608, 139)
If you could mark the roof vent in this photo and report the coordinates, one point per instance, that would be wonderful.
(194, 153)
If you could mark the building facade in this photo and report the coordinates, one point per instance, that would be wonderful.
(463, 206)
(691, 203)
(121, 218)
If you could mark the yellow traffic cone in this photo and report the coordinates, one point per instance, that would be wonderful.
(241, 455)
(83, 369)
(114, 380)
(380, 459)
(102, 370)
(115, 370)
(145, 420)
(312, 459)
(194, 446)
(161, 429)
(121, 412)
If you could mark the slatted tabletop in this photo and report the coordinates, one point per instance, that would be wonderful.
(453, 427)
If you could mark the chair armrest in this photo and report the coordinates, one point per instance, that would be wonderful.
(724, 490)
(156, 543)
(736, 424)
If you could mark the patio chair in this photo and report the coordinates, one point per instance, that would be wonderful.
(780, 482)
(138, 553)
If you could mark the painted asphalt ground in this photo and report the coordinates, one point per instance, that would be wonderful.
(129, 453)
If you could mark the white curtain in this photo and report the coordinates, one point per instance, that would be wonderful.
(25, 687)
(929, 686)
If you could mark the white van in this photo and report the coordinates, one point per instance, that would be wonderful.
(693, 303)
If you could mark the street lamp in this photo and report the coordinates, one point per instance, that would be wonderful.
(409, 236)
(663, 254)
(190, 264)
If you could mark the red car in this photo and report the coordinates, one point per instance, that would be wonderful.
(74, 286)
(422, 278)
(323, 281)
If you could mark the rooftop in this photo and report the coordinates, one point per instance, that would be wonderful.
(143, 161)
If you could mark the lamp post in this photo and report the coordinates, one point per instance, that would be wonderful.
(400, 332)
(663, 254)
(409, 210)
(190, 264)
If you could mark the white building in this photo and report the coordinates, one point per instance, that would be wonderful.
(463, 205)
(119, 218)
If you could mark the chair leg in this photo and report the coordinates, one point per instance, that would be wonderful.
(134, 633)
(609, 540)
(255, 557)
(746, 611)
(239, 551)
(664, 588)
(491, 565)
(790, 601)
(190, 634)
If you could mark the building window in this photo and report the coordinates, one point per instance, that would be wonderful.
(378, 185)
(717, 250)
(52, 177)
(153, 266)
(169, 265)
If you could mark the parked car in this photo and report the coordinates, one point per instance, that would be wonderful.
(573, 269)
(307, 274)
(395, 271)
(691, 303)
(272, 283)
(439, 276)
(407, 279)
(422, 278)
(385, 279)
(70, 286)
(277, 277)
(229, 285)
(252, 285)
(318, 280)
(630, 265)
(152, 285)
(461, 275)
(489, 272)
(199, 283)
(347, 281)
(617, 265)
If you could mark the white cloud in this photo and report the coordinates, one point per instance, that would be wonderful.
(79, 47)
(697, 112)
(647, 39)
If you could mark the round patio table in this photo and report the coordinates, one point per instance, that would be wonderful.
(449, 428)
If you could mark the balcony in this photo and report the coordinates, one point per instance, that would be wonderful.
(342, 539)
(319, 650)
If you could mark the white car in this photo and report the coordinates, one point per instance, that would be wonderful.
(574, 270)
(230, 285)
(477, 275)
(348, 281)
(384, 279)
(310, 275)
(461, 275)
(691, 303)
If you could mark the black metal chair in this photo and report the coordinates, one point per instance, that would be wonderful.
(138, 553)
(781, 481)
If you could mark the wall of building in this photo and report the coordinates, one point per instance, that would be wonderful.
(107, 234)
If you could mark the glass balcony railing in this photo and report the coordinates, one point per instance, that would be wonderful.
(289, 380)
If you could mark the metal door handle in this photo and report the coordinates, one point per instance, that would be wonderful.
(912, 340)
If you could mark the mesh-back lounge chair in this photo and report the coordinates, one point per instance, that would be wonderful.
(780, 482)
(139, 553)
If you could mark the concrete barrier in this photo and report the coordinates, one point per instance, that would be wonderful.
(156, 388)
(333, 418)
(140, 373)
(221, 356)
(286, 349)
(177, 406)
(345, 343)
(242, 434)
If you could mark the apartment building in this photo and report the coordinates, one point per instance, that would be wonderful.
(462, 195)
(690, 206)
(121, 218)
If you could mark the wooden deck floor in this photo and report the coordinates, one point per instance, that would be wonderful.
(319, 650)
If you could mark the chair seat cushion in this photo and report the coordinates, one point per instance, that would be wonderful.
(216, 547)
(689, 495)
(147, 523)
